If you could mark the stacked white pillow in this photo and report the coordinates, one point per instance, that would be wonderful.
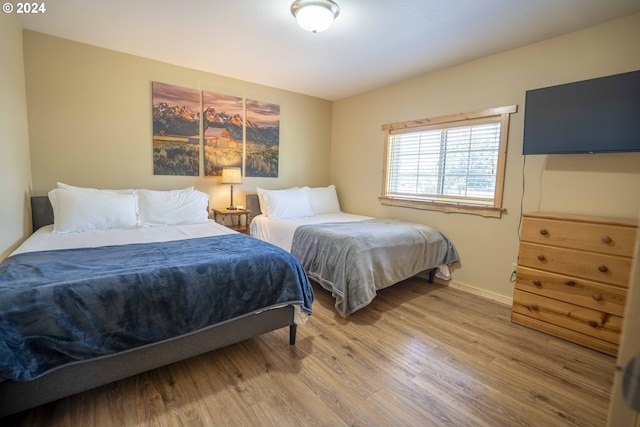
(298, 202)
(175, 207)
(290, 203)
(78, 209)
(324, 200)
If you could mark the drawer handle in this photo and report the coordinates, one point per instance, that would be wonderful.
(534, 307)
(603, 268)
(541, 257)
(597, 296)
(593, 323)
(570, 283)
(606, 239)
(537, 282)
(544, 232)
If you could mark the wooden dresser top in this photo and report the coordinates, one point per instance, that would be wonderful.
(626, 222)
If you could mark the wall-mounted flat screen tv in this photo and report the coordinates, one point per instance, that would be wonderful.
(600, 115)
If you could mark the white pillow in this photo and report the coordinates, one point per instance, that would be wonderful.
(263, 205)
(289, 203)
(261, 192)
(83, 210)
(64, 186)
(73, 187)
(174, 207)
(324, 200)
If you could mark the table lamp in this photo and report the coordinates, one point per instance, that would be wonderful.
(231, 176)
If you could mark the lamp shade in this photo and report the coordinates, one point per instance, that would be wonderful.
(231, 176)
(315, 15)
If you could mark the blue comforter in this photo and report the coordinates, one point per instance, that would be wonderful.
(62, 306)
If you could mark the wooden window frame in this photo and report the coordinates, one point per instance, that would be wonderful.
(498, 114)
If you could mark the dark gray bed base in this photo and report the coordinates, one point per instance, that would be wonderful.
(253, 204)
(82, 376)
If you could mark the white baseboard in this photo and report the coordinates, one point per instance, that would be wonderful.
(477, 291)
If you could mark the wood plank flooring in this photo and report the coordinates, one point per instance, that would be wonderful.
(419, 355)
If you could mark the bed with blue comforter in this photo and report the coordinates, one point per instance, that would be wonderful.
(67, 308)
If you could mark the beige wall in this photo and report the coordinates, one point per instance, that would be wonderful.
(90, 124)
(601, 184)
(15, 177)
(90, 121)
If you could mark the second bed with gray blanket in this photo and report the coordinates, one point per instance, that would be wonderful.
(355, 259)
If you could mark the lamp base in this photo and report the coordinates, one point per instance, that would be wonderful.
(232, 208)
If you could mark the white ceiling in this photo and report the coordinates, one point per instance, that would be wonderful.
(371, 44)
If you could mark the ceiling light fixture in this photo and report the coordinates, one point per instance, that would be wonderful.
(315, 15)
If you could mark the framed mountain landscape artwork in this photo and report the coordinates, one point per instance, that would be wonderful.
(222, 127)
(176, 130)
(262, 132)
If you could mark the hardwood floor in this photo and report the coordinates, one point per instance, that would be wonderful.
(419, 355)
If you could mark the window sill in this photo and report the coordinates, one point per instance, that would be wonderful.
(485, 211)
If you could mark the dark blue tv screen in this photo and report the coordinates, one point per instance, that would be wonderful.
(601, 115)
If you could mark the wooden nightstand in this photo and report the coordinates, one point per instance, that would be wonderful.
(236, 220)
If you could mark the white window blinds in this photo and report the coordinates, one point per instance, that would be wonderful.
(448, 164)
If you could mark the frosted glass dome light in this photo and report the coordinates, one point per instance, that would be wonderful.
(315, 15)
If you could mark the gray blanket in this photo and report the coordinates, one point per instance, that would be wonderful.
(355, 259)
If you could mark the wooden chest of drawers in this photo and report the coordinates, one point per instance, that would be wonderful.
(572, 277)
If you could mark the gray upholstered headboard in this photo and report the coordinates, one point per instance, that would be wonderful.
(253, 204)
(41, 212)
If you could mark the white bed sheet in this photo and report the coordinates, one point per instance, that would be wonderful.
(280, 231)
(45, 238)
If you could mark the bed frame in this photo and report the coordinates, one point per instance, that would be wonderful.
(253, 204)
(81, 376)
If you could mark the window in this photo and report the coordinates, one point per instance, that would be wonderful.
(451, 163)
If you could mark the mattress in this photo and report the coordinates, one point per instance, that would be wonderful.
(280, 232)
(46, 239)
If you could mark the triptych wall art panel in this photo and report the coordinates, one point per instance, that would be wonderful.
(222, 132)
(176, 130)
(263, 138)
(228, 139)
